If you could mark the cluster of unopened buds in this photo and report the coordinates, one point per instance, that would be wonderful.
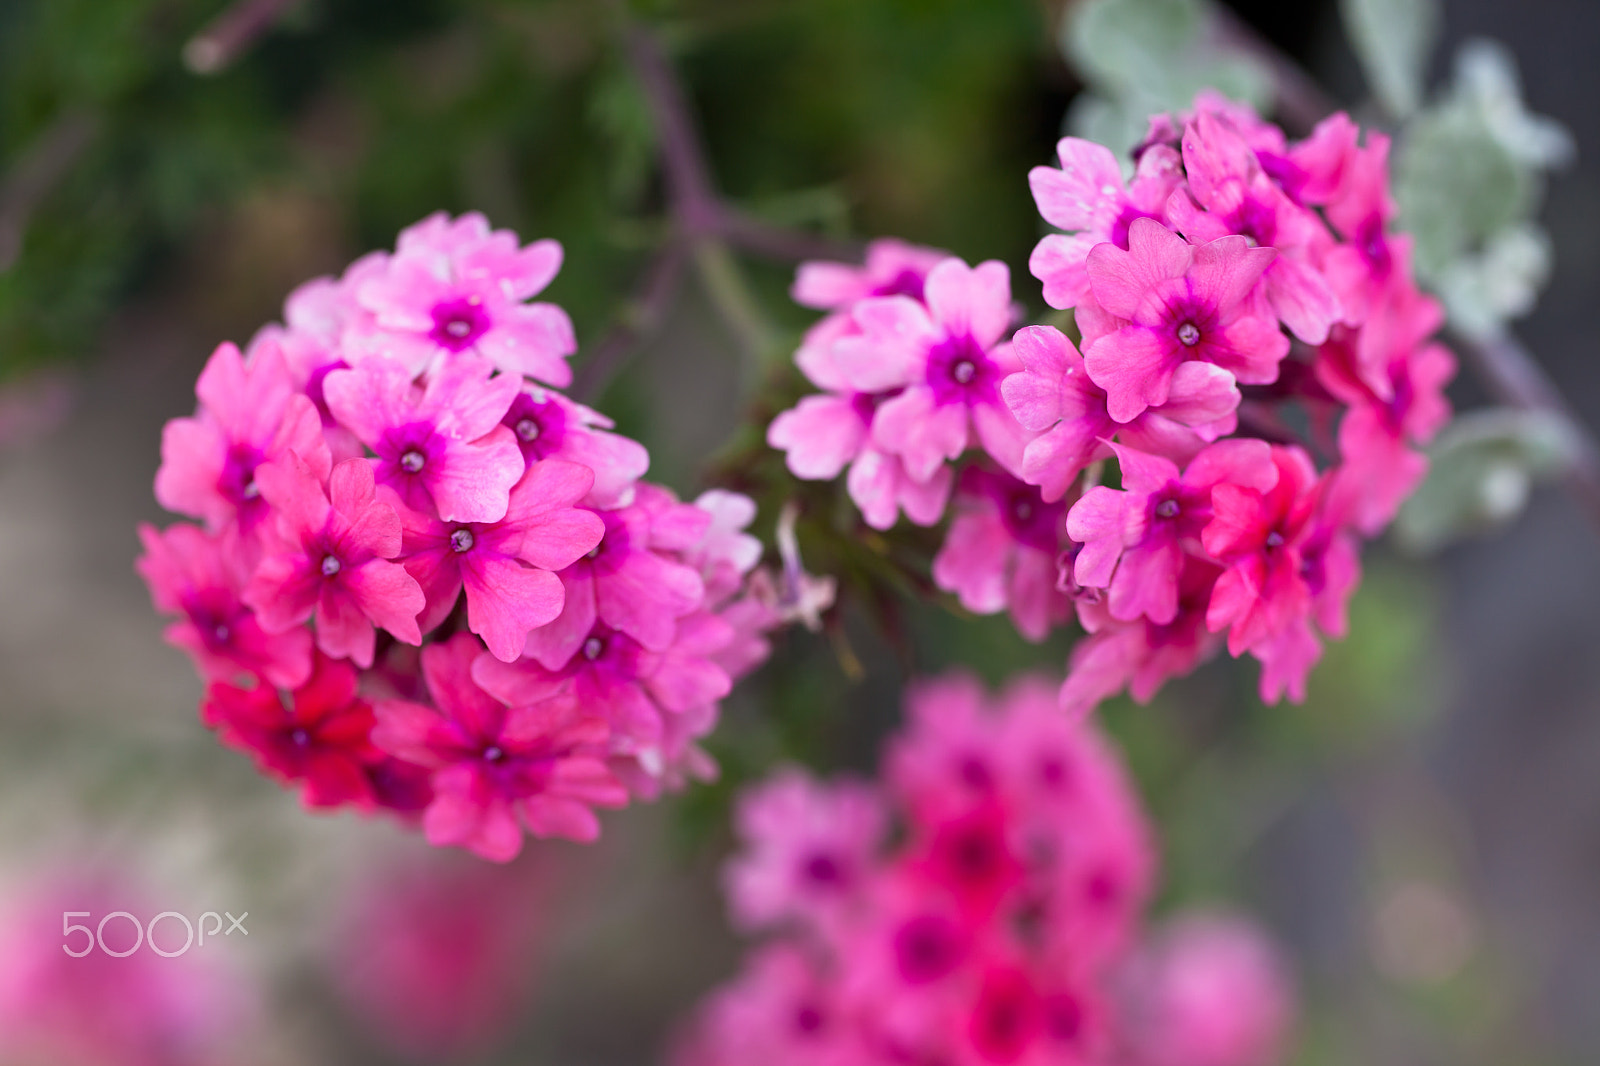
(424, 579)
(1253, 355)
(983, 905)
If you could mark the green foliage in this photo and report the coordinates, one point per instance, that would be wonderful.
(1393, 39)
(1483, 467)
(1145, 56)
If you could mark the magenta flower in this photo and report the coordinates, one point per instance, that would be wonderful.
(1086, 196)
(321, 739)
(780, 1011)
(947, 358)
(1001, 552)
(1351, 183)
(1141, 655)
(1134, 539)
(202, 578)
(249, 415)
(507, 566)
(1212, 991)
(1054, 397)
(1260, 535)
(328, 556)
(807, 849)
(635, 689)
(453, 287)
(629, 582)
(442, 448)
(892, 268)
(498, 769)
(1181, 304)
(547, 425)
(1227, 179)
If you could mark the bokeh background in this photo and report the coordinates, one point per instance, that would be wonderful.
(1423, 834)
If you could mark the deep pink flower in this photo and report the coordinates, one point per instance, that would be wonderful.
(453, 287)
(634, 688)
(498, 769)
(1141, 655)
(948, 358)
(1226, 178)
(441, 448)
(328, 556)
(507, 567)
(322, 737)
(202, 577)
(630, 581)
(1001, 552)
(547, 425)
(1134, 539)
(1260, 537)
(1054, 397)
(1181, 304)
(1086, 196)
(725, 553)
(249, 415)
(807, 848)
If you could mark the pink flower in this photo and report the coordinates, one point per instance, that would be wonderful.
(807, 849)
(1226, 179)
(780, 1011)
(1086, 195)
(947, 358)
(1141, 655)
(630, 581)
(1134, 539)
(507, 566)
(1181, 304)
(249, 415)
(634, 688)
(323, 740)
(435, 960)
(441, 448)
(1210, 990)
(1001, 552)
(725, 553)
(1054, 397)
(1259, 535)
(453, 287)
(202, 578)
(892, 268)
(498, 769)
(328, 557)
(547, 425)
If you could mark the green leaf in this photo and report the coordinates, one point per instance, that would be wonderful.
(1483, 467)
(1483, 292)
(1393, 39)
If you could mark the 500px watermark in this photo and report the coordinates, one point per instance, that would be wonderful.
(145, 934)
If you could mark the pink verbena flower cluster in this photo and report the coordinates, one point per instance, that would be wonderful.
(1254, 358)
(392, 468)
(985, 906)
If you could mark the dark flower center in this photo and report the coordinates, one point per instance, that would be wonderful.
(1167, 509)
(1188, 334)
(457, 324)
(926, 949)
(528, 429)
(962, 371)
(493, 753)
(299, 738)
(330, 566)
(823, 869)
(411, 461)
(593, 648)
(1274, 539)
(461, 540)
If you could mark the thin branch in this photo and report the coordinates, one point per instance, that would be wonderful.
(229, 35)
(1507, 369)
(641, 318)
(41, 167)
